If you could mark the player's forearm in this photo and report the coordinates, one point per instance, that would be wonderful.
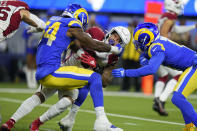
(88, 42)
(183, 29)
(143, 71)
(149, 69)
(32, 19)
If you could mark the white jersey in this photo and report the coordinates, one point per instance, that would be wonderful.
(103, 59)
(10, 18)
(71, 59)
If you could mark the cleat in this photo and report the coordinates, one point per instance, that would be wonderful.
(65, 128)
(103, 124)
(66, 124)
(155, 105)
(8, 125)
(158, 106)
(189, 127)
(35, 125)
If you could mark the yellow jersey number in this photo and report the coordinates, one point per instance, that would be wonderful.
(53, 29)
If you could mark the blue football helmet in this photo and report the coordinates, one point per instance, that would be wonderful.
(143, 36)
(76, 11)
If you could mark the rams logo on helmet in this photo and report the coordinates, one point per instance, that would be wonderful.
(76, 11)
(144, 34)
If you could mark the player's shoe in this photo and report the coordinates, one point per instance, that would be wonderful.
(8, 125)
(103, 124)
(158, 106)
(66, 124)
(35, 125)
(189, 127)
(155, 105)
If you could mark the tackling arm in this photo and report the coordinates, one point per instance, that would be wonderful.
(87, 42)
(149, 69)
(183, 29)
(32, 20)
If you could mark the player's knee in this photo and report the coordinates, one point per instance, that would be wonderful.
(176, 77)
(41, 96)
(64, 103)
(177, 98)
(95, 77)
(70, 98)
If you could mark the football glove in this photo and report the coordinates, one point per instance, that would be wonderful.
(120, 72)
(88, 60)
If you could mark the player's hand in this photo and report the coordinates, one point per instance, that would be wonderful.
(32, 29)
(120, 72)
(88, 59)
(117, 49)
(80, 52)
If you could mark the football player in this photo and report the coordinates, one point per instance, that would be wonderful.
(12, 12)
(61, 33)
(166, 25)
(160, 50)
(106, 62)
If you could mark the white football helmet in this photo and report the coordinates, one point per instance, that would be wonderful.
(123, 32)
(176, 6)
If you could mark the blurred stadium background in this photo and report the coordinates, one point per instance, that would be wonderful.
(106, 14)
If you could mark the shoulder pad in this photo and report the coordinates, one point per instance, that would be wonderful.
(155, 47)
(74, 23)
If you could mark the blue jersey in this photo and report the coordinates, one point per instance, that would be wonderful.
(176, 56)
(166, 52)
(53, 43)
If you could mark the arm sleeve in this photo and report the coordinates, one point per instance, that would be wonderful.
(183, 29)
(149, 69)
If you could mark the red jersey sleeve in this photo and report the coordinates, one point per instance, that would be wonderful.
(16, 3)
(171, 16)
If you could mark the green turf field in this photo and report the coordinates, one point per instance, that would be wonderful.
(130, 112)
